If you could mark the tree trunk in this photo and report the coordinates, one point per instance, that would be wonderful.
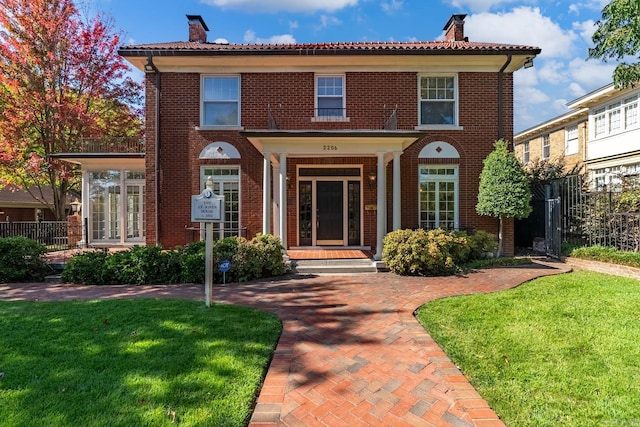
(500, 241)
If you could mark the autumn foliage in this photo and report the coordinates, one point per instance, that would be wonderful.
(61, 80)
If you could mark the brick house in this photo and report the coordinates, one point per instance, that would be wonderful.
(321, 144)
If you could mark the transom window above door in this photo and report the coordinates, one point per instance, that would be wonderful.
(220, 101)
(330, 100)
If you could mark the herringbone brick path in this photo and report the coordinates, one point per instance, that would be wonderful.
(351, 352)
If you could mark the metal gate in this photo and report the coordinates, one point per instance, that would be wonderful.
(553, 227)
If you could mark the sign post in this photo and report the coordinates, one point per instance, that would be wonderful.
(207, 207)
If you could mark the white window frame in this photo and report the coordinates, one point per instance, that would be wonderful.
(219, 228)
(342, 116)
(546, 146)
(438, 179)
(631, 112)
(615, 117)
(571, 142)
(526, 152)
(455, 100)
(204, 101)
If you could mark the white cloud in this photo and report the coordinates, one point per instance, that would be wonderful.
(250, 37)
(553, 72)
(522, 26)
(392, 6)
(327, 21)
(576, 91)
(592, 74)
(478, 5)
(586, 30)
(283, 5)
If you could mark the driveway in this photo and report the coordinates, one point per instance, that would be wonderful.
(351, 352)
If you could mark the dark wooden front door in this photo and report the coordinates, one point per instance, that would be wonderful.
(329, 212)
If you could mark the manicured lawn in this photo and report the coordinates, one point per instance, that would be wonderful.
(139, 362)
(559, 351)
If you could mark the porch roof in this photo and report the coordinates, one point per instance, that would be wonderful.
(318, 143)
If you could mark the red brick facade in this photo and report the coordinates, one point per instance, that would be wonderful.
(180, 143)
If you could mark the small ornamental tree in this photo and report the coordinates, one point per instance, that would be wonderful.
(504, 189)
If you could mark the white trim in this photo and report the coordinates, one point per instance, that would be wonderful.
(439, 150)
(204, 126)
(456, 103)
(219, 150)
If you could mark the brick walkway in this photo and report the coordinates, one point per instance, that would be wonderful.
(351, 352)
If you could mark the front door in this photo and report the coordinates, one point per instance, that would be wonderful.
(330, 212)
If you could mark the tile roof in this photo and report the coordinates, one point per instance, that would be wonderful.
(372, 48)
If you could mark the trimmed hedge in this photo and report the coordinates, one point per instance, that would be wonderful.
(21, 260)
(434, 252)
(141, 265)
(607, 254)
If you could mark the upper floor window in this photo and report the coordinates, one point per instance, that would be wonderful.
(526, 154)
(616, 117)
(330, 100)
(571, 141)
(546, 147)
(220, 101)
(438, 98)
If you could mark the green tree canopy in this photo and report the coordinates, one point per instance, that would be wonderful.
(617, 37)
(504, 188)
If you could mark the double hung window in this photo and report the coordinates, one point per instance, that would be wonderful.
(220, 101)
(330, 100)
(526, 154)
(571, 141)
(438, 100)
(546, 147)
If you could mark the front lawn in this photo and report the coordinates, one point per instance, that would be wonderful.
(131, 362)
(558, 351)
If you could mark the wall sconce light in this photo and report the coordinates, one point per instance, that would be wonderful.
(150, 67)
(288, 181)
(372, 179)
(528, 63)
(76, 206)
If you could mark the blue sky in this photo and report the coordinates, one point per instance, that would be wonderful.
(561, 28)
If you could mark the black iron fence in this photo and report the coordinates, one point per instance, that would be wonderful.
(587, 216)
(55, 235)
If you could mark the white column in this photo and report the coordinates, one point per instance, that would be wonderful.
(266, 195)
(275, 199)
(396, 191)
(381, 206)
(283, 199)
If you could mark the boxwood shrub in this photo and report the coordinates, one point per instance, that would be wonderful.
(142, 265)
(433, 252)
(21, 260)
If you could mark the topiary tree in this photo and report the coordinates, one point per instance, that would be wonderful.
(504, 189)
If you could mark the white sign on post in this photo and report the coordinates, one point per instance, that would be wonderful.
(207, 207)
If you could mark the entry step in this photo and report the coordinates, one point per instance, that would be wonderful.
(333, 266)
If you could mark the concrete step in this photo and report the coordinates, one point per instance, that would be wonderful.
(333, 266)
(53, 278)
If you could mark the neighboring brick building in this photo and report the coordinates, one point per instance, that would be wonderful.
(322, 144)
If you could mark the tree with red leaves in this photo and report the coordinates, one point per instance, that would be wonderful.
(61, 80)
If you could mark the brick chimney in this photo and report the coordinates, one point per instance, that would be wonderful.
(454, 29)
(197, 29)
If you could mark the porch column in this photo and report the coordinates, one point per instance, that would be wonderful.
(283, 199)
(381, 206)
(266, 195)
(396, 191)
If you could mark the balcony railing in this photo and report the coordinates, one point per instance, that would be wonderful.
(385, 118)
(119, 145)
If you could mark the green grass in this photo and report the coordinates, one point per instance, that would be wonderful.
(559, 351)
(139, 362)
(607, 254)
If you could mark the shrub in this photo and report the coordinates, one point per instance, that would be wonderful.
(481, 243)
(424, 253)
(88, 268)
(142, 265)
(607, 254)
(21, 260)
